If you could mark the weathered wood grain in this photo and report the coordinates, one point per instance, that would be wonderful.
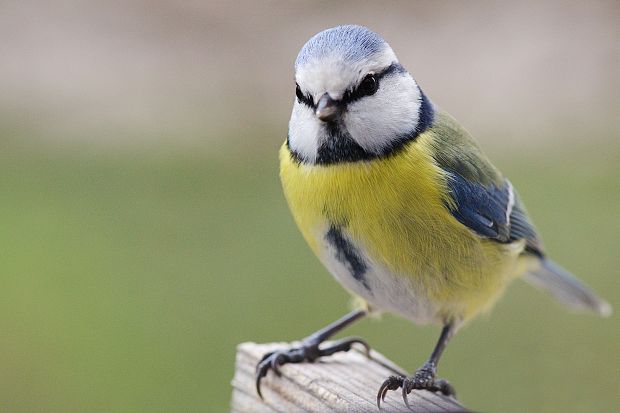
(344, 382)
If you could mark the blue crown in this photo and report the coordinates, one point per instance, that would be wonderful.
(353, 43)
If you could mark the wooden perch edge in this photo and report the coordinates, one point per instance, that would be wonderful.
(343, 382)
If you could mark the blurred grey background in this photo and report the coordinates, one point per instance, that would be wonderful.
(144, 233)
(204, 73)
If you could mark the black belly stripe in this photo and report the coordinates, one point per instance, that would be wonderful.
(347, 254)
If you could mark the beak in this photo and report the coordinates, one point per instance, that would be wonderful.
(327, 109)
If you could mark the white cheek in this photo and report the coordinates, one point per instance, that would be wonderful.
(374, 122)
(303, 132)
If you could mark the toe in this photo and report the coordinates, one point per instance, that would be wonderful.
(277, 360)
(444, 387)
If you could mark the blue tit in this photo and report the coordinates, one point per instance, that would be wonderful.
(400, 204)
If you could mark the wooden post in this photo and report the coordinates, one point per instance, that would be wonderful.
(344, 382)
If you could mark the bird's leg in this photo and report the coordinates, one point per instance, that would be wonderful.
(424, 377)
(309, 349)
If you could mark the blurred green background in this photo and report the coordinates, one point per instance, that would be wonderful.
(143, 231)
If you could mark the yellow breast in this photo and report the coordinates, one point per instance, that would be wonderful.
(395, 207)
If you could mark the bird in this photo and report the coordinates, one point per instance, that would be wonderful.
(401, 205)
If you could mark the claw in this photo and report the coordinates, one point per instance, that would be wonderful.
(384, 393)
(406, 393)
(260, 394)
(259, 376)
(263, 367)
(381, 395)
(391, 383)
(364, 344)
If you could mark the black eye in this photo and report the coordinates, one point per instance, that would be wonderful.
(369, 86)
(299, 93)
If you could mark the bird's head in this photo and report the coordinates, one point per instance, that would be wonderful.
(354, 101)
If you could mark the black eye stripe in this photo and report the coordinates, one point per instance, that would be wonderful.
(354, 94)
(304, 98)
(393, 68)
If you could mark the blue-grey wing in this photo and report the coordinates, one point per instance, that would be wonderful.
(492, 211)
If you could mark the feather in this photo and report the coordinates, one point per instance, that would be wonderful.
(567, 289)
(480, 197)
(481, 208)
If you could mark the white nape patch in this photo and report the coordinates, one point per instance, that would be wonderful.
(382, 288)
(332, 74)
(303, 132)
(376, 121)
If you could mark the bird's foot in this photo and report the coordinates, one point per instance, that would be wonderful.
(423, 379)
(309, 351)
